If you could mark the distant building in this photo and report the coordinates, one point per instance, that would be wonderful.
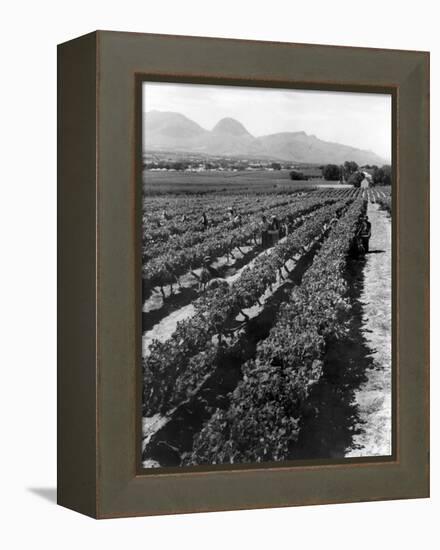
(366, 182)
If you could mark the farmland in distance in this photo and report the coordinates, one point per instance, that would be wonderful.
(258, 181)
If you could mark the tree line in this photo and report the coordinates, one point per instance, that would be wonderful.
(352, 173)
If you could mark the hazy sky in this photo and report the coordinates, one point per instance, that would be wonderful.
(359, 120)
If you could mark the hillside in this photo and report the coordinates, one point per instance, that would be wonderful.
(174, 131)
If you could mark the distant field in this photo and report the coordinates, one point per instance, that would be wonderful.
(219, 182)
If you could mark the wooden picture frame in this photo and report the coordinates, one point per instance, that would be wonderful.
(99, 77)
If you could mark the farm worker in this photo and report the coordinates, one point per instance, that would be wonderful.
(207, 260)
(170, 275)
(204, 220)
(358, 246)
(264, 231)
(365, 233)
(237, 220)
(165, 215)
(207, 273)
(295, 222)
(274, 230)
(333, 221)
(230, 214)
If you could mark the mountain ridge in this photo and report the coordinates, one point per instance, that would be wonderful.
(168, 130)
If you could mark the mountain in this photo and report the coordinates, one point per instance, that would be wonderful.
(230, 138)
(167, 130)
(174, 131)
(230, 127)
(300, 147)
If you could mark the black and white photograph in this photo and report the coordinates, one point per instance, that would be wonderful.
(266, 275)
(219, 275)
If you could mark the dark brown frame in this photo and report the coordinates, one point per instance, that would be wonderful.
(99, 263)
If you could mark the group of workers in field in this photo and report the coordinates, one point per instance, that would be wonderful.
(271, 229)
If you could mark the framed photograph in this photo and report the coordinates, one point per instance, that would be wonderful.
(243, 274)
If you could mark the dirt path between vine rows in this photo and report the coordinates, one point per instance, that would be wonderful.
(373, 397)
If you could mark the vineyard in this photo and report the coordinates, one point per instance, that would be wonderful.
(236, 331)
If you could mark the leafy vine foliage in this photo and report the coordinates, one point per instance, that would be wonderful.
(265, 409)
(174, 255)
(175, 368)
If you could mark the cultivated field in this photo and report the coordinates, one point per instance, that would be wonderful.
(255, 181)
(252, 345)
